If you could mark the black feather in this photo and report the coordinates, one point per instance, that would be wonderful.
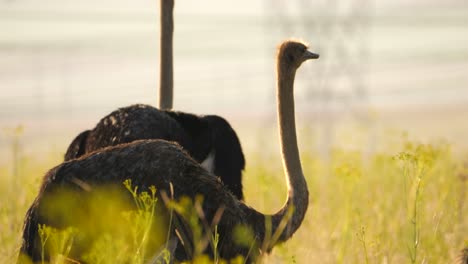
(147, 163)
(198, 135)
(78, 146)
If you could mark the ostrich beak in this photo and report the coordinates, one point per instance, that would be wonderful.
(309, 55)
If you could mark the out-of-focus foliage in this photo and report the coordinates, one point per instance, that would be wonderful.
(397, 207)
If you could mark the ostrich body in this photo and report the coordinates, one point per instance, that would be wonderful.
(162, 164)
(210, 140)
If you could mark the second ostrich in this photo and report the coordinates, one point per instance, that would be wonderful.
(168, 167)
(210, 139)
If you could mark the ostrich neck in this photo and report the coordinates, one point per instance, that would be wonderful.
(287, 130)
(166, 65)
(298, 195)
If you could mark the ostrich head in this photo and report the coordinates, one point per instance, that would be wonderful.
(291, 54)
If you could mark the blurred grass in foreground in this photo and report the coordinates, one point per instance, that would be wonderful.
(404, 206)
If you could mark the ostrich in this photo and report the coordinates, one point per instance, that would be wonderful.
(209, 139)
(168, 167)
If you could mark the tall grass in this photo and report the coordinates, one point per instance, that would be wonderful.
(406, 204)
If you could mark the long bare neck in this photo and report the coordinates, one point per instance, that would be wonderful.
(298, 195)
(166, 64)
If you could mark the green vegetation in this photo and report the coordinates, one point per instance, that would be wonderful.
(397, 206)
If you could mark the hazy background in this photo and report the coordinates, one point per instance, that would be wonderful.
(385, 66)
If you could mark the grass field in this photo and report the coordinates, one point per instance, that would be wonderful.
(406, 204)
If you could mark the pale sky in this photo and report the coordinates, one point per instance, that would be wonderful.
(82, 59)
